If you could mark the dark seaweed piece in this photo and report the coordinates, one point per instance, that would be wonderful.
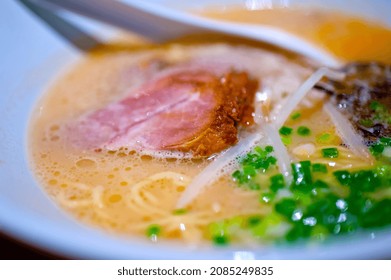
(364, 96)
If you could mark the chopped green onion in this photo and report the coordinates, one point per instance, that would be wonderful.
(319, 233)
(330, 152)
(249, 171)
(343, 176)
(254, 220)
(153, 230)
(285, 130)
(277, 182)
(376, 149)
(221, 231)
(313, 209)
(253, 186)
(238, 177)
(180, 211)
(319, 167)
(385, 141)
(321, 184)
(374, 105)
(382, 112)
(260, 152)
(302, 175)
(252, 164)
(266, 197)
(366, 122)
(220, 240)
(269, 227)
(271, 160)
(298, 231)
(286, 140)
(379, 215)
(303, 131)
(269, 149)
(286, 207)
(365, 181)
(324, 138)
(295, 116)
(303, 198)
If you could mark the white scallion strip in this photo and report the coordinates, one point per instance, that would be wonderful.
(347, 132)
(214, 170)
(293, 100)
(280, 151)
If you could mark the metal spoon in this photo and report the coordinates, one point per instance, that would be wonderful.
(161, 23)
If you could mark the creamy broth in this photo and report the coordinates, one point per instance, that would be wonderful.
(347, 36)
(125, 192)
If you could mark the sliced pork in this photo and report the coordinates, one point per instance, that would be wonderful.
(193, 110)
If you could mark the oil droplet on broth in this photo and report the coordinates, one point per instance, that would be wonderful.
(54, 127)
(115, 198)
(52, 182)
(86, 163)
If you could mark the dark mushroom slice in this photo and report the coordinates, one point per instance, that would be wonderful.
(364, 96)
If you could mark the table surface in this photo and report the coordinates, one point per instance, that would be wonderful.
(15, 250)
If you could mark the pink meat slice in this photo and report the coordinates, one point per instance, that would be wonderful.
(110, 126)
(170, 128)
(187, 110)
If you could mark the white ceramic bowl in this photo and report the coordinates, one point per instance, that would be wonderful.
(32, 55)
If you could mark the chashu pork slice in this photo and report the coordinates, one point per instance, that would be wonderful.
(190, 110)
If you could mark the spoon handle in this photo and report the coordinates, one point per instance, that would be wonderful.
(161, 23)
(129, 17)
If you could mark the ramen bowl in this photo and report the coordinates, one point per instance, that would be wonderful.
(33, 56)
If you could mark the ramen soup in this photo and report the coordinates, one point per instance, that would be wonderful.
(222, 141)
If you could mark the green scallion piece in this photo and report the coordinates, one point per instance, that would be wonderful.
(271, 160)
(303, 131)
(319, 167)
(285, 130)
(261, 152)
(343, 176)
(321, 184)
(253, 220)
(324, 138)
(365, 181)
(180, 211)
(286, 140)
(302, 176)
(277, 182)
(266, 197)
(385, 141)
(220, 240)
(269, 149)
(253, 185)
(366, 122)
(376, 149)
(295, 116)
(249, 171)
(153, 230)
(375, 105)
(330, 153)
(238, 177)
(286, 207)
